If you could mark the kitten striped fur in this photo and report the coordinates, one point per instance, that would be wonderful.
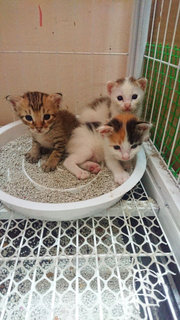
(35, 99)
(50, 127)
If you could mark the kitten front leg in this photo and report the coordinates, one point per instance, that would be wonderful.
(52, 161)
(120, 175)
(34, 154)
(56, 155)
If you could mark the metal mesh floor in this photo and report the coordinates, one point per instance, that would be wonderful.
(115, 266)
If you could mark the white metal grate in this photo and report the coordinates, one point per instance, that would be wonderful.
(114, 266)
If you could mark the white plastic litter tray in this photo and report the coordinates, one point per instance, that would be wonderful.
(70, 210)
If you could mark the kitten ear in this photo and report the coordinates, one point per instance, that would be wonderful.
(144, 130)
(142, 83)
(105, 130)
(15, 101)
(56, 98)
(110, 85)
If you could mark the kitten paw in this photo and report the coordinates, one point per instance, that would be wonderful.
(32, 158)
(47, 167)
(128, 166)
(121, 177)
(91, 166)
(95, 168)
(82, 175)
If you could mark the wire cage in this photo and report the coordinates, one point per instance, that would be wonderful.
(121, 263)
(115, 266)
(161, 67)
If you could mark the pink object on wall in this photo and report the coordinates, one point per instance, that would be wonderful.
(40, 16)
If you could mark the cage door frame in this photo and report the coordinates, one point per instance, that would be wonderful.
(138, 36)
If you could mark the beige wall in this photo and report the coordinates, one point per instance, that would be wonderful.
(59, 56)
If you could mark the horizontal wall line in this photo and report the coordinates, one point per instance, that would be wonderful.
(161, 61)
(67, 53)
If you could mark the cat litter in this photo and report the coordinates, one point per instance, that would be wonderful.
(27, 181)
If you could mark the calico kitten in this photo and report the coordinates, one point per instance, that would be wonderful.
(125, 95)
(50, 127)
(118, 140)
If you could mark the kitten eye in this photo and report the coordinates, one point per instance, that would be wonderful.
(134, 146)
(28, 117)
(116, 147)
(120, 98)
(46, 116)
(134, 96)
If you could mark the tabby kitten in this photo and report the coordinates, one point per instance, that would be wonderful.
(50, 127)
(125, 95)
(118, 140)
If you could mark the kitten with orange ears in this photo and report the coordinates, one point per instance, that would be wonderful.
(125, 95)
(117, 141)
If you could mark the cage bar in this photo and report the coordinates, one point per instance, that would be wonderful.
(151, 35)
(161, 61)
(116, 255)
(162, 97)
(154, 59)
(169, 111)
(153, 64)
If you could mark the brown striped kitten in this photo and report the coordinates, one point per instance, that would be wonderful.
(125, 95)
(50, 127)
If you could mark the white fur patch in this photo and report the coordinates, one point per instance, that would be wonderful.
(127, 89)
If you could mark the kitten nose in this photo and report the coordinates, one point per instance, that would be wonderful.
(125, 156)
(127, 105)
(38, 127)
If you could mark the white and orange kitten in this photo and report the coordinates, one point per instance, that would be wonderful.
(118, 140)
(125, 95)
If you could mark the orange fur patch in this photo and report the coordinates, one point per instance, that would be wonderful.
(118, 137)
